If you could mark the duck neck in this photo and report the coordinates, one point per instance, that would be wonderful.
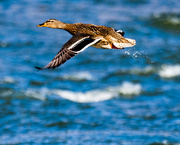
(61, 25)
(71, 28)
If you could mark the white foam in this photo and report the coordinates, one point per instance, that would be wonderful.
(175, 20)
(169, 71)
(87, 97)
(3, 44)
(145, 70)
(127, 88)
(79, 76)
(7, 79)
(37, 94)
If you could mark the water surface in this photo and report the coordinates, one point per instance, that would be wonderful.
(128, 96)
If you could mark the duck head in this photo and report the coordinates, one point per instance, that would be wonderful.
(52, 23)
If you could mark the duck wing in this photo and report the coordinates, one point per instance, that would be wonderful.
(76, 44)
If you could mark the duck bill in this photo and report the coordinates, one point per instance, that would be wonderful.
(42, 25)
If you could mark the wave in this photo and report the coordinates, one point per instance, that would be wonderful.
(40, 94)
(146, 71)
(143, 71)
(169, 71)
(7, 80)
(79, 76)
(166, 21)
(126, 89)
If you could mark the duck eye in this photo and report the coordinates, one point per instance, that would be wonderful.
(49, 21)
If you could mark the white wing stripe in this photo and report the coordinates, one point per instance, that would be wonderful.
(96, 40)
(76, 43)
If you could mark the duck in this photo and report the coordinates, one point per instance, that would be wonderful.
(83, 36)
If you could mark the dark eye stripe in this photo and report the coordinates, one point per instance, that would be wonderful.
(50, 21)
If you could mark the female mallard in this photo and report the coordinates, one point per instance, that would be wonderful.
(85, 35)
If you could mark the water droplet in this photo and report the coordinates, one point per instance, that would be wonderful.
(126, 52)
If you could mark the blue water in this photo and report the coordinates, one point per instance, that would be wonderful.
(123, 97)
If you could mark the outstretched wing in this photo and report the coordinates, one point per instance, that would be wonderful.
(76, 44)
